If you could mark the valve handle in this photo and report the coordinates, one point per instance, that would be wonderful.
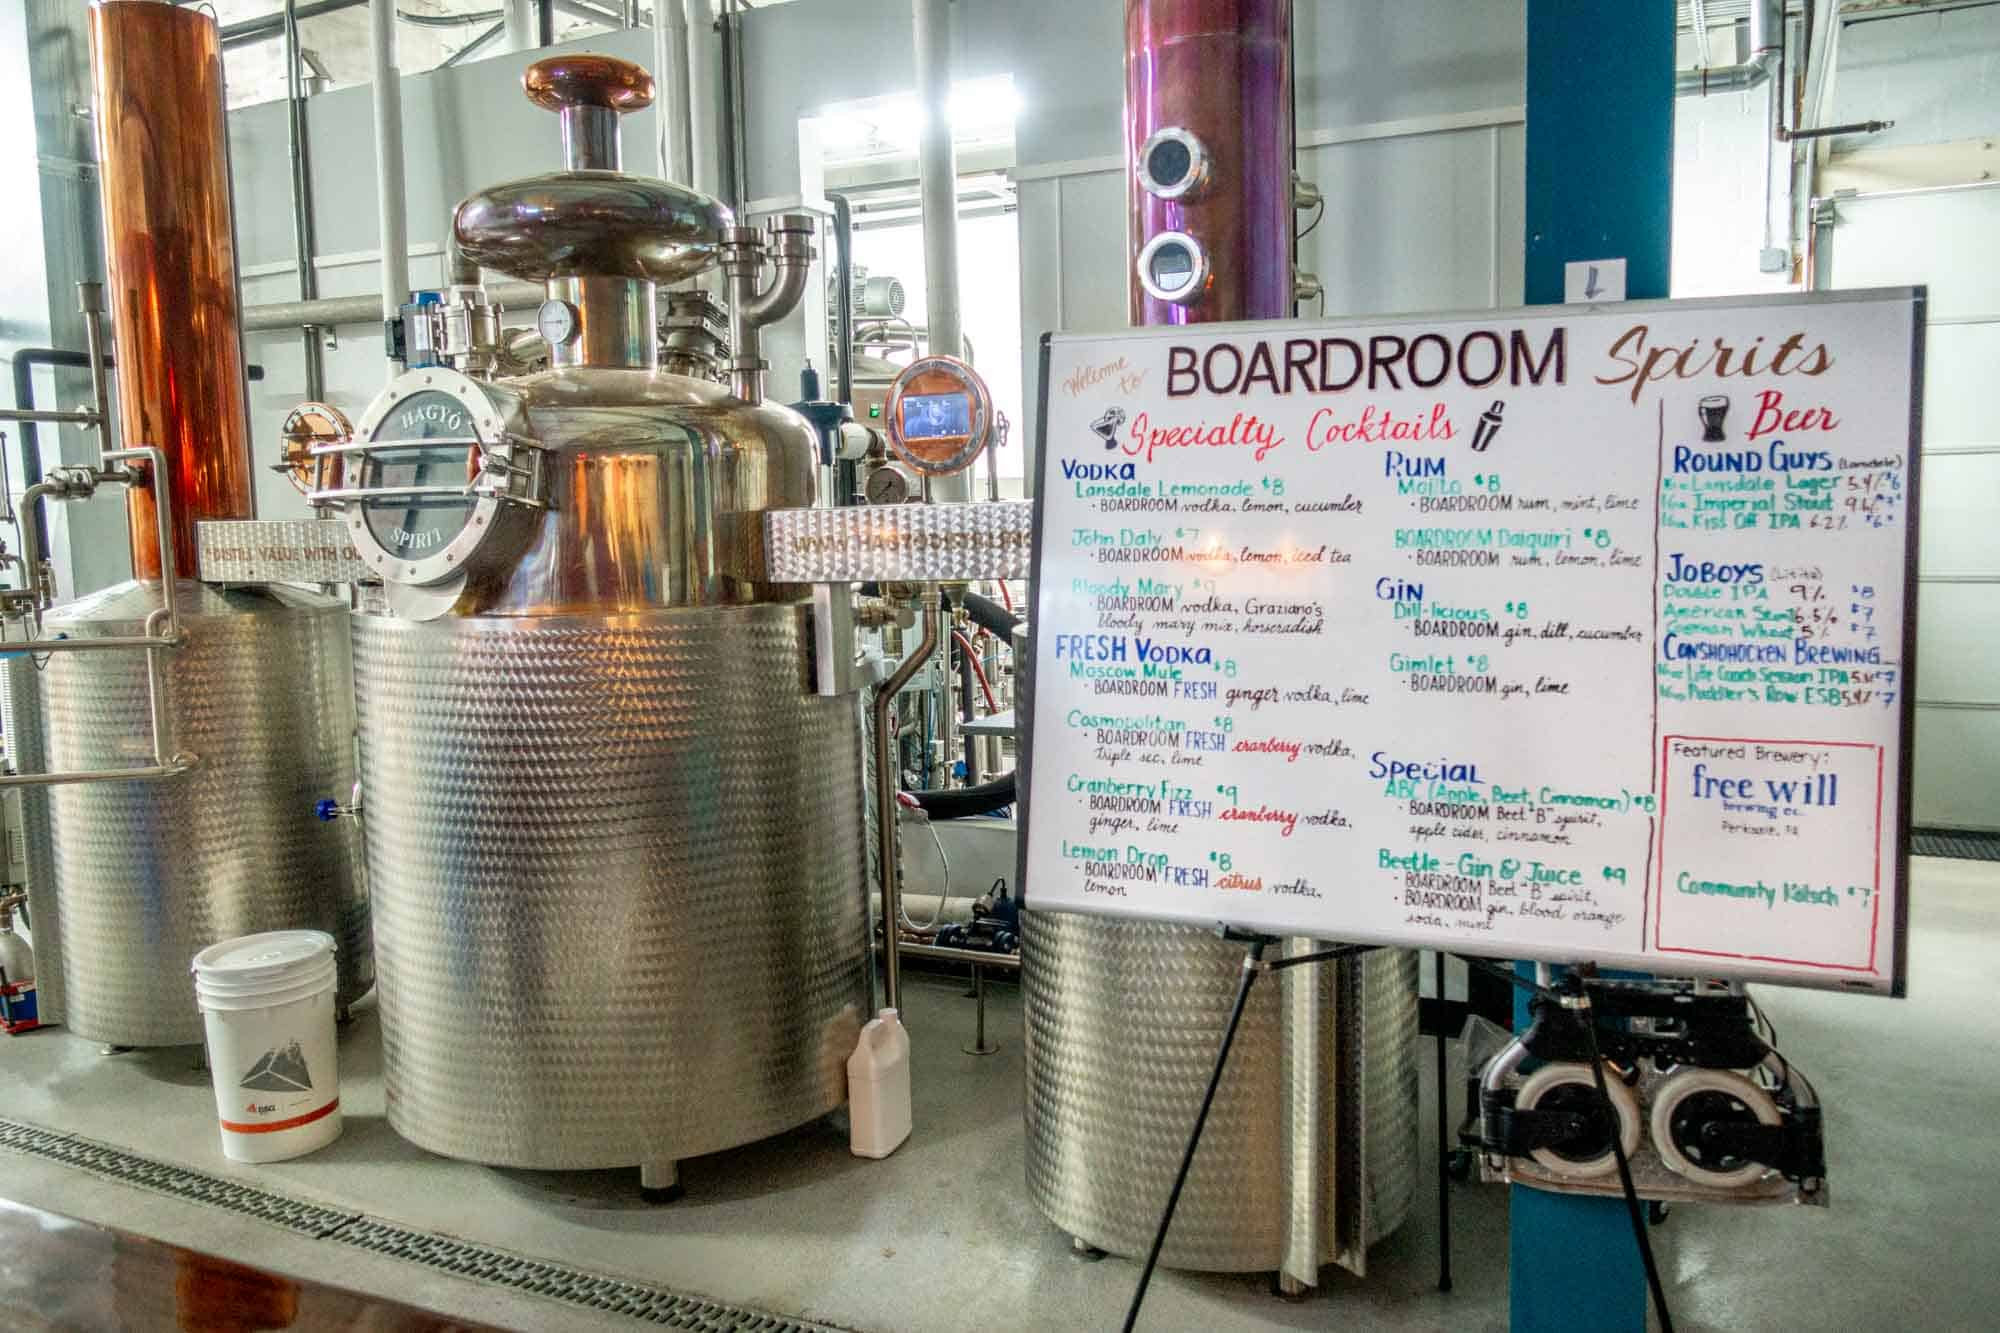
(326, 809)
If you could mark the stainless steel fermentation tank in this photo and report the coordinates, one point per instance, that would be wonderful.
(614, 835)
(254, 703)
(1310, 1153)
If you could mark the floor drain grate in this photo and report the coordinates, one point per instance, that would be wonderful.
(534, 1277)
(1958, 844)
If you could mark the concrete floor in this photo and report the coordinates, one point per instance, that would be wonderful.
(941, 1235)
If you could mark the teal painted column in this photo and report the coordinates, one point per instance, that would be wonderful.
(1599, 186)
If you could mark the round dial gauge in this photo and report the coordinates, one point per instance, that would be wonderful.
(556, 322)
(888, 485)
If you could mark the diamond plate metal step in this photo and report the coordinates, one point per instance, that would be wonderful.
(640, 1301)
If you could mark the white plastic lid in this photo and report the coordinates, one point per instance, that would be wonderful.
(274, 955)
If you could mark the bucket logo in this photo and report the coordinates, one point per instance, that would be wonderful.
(280, 1069)
(1106, 426)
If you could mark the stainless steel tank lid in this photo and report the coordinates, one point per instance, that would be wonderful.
(592, 220)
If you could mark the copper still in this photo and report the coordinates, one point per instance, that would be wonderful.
(1310, 1155)
(245, 693)
(1208, 143)
(163, 157)
(614, 832)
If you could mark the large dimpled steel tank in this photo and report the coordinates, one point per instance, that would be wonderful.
(614, 835)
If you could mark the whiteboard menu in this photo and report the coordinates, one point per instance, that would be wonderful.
(1568, 634)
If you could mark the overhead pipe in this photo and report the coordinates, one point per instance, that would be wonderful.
(670, 58)
(704, 66)
(735, 160)
(520, 21)
(1767, 44)
(937, 191)
(335, 311)
(394, 228)
(299, 152)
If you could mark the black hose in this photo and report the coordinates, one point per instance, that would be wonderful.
(989, 615)
(965, 802)
(843, 315)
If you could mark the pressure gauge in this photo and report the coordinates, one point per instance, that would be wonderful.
(940, 415)
(556, 322)
(888, 485)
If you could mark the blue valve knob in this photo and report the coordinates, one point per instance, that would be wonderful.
(326, 809)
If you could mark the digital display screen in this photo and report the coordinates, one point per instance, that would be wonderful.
(932, 416)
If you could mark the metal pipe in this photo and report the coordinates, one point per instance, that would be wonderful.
(333, 311)
(937, 189)
(87, 419)
(1767, 41)
(475, 46)
(162, 626)
(545, 22)
(1005, 962)
(394, 226)
(90, 297)
(590, 138)
(302, 211)
(271, 25)
(750, 309)
(670, 59)
(520, 21)
(885, 794)
(704, 97)
(843, 281)
(735, 161)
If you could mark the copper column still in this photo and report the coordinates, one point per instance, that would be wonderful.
(1309, 1156)
(256, 700)
(1208, 130)
(171, 253)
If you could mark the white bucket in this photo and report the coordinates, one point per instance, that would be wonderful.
(268, 1004)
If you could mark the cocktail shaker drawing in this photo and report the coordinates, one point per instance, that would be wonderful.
(1713, 409)
(1489, 426)
(1107, 426)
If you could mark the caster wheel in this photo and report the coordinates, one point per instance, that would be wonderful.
(1695, 1098)
(1570, 1087)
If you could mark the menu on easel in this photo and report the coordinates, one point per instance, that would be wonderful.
(1568, 634)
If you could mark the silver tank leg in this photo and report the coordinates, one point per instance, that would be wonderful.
(660, 1182)
(1293, 1289)
(1084, 1250)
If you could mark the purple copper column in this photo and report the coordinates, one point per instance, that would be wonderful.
(1219, 70)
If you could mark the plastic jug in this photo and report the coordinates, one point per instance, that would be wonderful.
(878, 1087)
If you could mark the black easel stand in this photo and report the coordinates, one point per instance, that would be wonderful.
(1253, 966)
(1443, 1141)
(1572, 995)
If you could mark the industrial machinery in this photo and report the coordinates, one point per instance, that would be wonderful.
(236, 704)
(1310, 1153)
(1706, 1109)
(614, 830)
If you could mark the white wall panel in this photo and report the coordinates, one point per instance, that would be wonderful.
(1959, 629)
